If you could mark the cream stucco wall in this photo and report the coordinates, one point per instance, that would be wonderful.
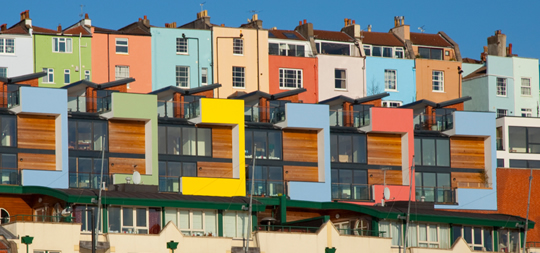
(355, 74)
(62, 237)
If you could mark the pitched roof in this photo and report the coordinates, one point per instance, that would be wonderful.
(383, 39)
(427, 39)
(282, 34)
(331, 35)
(479, 72)
(135, 28)
(19, 28)
(77, 30)
(42, 30)
(341, 99)
(185, 91)
(470, 60)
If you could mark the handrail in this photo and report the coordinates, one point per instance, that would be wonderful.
(89, 104)
(361, 232)
(39, 218)
(345, 118)
(282, 228)
(434, 121)
(88, 180)
(264, 114)
(178, 109)
(13, 176)
(9, 99)
(436, 194)
(349, 191)
(266, 187)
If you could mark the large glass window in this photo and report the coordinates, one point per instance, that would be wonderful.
(434, 187)
(478, 238)
(193, 222)
(333, 48)
(134, 220)
(235, 224)
(430, 53)
(85, 172)
(514, 163)
(9, 131)
(524, 139)
(170, 173)
(268, 181)
(286, 49)
(431, 152)
(189, 141)
(268, 144)
(429, 236)
(350, 184)
(87, 134)
(290, 78)
(348, 148)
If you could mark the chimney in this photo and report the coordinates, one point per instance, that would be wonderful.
(306, 30)
(483, 55)
(24, 15)
(401, 30)
(3, 27)
(59, 29)
(351, 29)
(509, 50)
(255, 22)
(87, 22)
(146, 21)
(396, 21)
(497, 44)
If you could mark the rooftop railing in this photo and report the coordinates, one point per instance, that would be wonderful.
(440, 195)
(36, 218)
(180, 110)
(9, 176)
(264, 114)
(89, 104)
(475, 185)
(169, 183)
(346, 191)
(360, 232)
(9, 99)
(350, 118)
(264, 187)
(86, 180)
(434, 122)
(284, 228)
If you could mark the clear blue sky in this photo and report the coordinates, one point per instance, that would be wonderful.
(469, 23)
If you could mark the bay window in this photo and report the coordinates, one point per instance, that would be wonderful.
(193, 222)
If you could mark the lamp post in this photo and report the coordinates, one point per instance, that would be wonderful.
(217, 53)
(67, 212)
(172, 245)
(198, 60)
(27, 240)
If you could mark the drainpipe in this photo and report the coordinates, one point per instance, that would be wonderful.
(258, 71)
(80, 65)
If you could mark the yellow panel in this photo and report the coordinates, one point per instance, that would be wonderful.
(222, 112)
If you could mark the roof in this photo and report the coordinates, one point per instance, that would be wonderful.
(135, 28)
(19, 28)
(187, 91)
(342, 98)
(6, 234)
(479, 72)
(285, 34)
(383, 39)
(77, 30)
(268, 96)
(470, 60)
(331, 35)
(424, 102)
(99, 86)
(17, 79)
(427, 39)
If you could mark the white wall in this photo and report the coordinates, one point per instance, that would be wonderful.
(22, 62)
(355, 76)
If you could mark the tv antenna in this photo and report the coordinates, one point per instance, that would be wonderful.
(81, 15)
(421, 28)
(202, 4)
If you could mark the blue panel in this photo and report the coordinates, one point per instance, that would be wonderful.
(406, 78)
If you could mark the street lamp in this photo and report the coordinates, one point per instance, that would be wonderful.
(27, 240)
(67, 212)
(198, 60)
(172, 245)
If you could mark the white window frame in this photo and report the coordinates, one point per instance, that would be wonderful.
(190, 231)
(502, 87)
(368, 47)
(118, 70)
(428, 241)
(4, 45)
(50, 75)
(389, 234)
(299, 82)
(182, 46)
(177, 71)
(204, 75)
(476, 244)
(341, 226)
(238, 46)
(5, 70)
(399, 49)
(134, 227)
(341, 79)
(526, 112)
(387, 80)
(391, 104)
(237, 232)
(87, 75)
(502, 112)
(242, 84)
(318, 46)
(67, 73)
(287, 46)
(440, 81)
(121, 45)
(526, 88)
(68, 45)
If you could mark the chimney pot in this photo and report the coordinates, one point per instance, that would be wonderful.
(86, 16)
(223, 25)
(166, 25)
(3, 27)
(354, 21)
(59, 29)
(144, 17)
(300, 22)
(509, 53)
(140, 19)
(305, 21)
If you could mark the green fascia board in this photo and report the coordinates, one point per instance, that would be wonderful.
(324, 218)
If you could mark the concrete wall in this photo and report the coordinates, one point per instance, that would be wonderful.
(424, 80)
(355, 76)
(406, 78)
(478, 89)
(22, 62)
(505, 123)
(165, 59)
(61, 237)
(309, 68)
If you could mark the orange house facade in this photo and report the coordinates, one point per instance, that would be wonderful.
(123, 53)
(437, 80)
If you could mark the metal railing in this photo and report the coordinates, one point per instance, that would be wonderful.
(360, 232)
(169, 183)
(283, 228)
(346, 191)
(89, 104)
(181, 110)
(434, 122)
(37, 218)
(350, 118)
(263, 187)
(10, 176)
(9, 99)
(436, 194)
(532, 245)
(264, 114)
(84, 180)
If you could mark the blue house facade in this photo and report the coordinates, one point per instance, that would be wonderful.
(395, 76)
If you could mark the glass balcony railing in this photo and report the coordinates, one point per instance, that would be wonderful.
(83, 180)
(89, 105)
(360, 232)
(345, 191)
(10, 176)
(180, 110)
(264, 114)
(263, 187)
(169, 183)
(349, 118)
(434, 122)
(9, 99)
(442, 195)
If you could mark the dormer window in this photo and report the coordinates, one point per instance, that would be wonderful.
(430, 53)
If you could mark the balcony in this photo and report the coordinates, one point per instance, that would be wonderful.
(179, 110)
(355, 119)
(360, 232)
(264, 114)
(346, 191)
(434, 122)
(83, 104)
(9, 99)
(83, 180)
(272, 188)
(36, 218)
(439, 195)
(10, 176)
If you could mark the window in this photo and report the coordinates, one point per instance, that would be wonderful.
(430, 53)
(87, 75)
(390, 79)
(367, 50)
(524, 164)
(7, 46)
(478, 238)
(431, 152)
(290, 78)
(188, 141)
(392, 104)
(380, 51)
(83, 217)
(434, 187)
(350, 184)
(238, 77)
(500, 163)
(86, 134)
(509, 240)
(525, 86)
(348, 148)
(268, 181)
(526, 112)
(204, 76)
(341, 79)
(3, 72)
(238, 46)
(235, 224)
(46, 251)
(286, 49)
(49, 78)
(429, 236)
(501, 86)
(66, 76)
(181, 46)
(8, 130)
(333, 48)
(10, 174)
(182, 76)
(134, 220)
(170, 173)
(398, 53)
(85, 172)
(392, 229)
(438, 80)
(193, 222)
(4, 216)
(62, 45)
(268, 144)
(499, 133)
(524, 139)
(121, 46)
(121, 72)
(501, 112)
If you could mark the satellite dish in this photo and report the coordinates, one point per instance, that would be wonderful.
(66, 212)
(136, 177)
(386, 193)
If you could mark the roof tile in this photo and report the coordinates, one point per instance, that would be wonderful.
(429, 40)
(383, 39)
(280, 34)
(331, 35)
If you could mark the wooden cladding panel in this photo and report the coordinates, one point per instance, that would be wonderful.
(300, 146)
(37, 161)
(467, 152)
(126, 136)
(384, 149)
(127, 165)
(16, 205)
(36, 132)
(214, 169)
(392, 177)
(301, 173)
(222, 142)
(467, 180)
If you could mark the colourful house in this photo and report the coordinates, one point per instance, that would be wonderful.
(16, 48)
